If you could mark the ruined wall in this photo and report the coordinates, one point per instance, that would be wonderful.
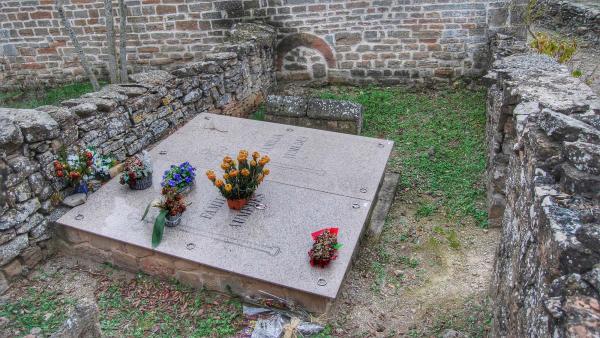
(350, 41)
(578, 18)
(543, 134)
(120, 120)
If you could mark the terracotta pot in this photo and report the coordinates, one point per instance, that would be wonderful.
(237, 204)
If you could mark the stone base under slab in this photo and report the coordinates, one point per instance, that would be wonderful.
(135, 259)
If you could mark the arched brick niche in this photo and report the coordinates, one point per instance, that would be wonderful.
(303, 56)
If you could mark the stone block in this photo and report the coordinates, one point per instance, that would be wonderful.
(91, 252)
(562, 127)
(158, 265)
(18, 214)
(151, 78)
(347, 38)
(12, 269)
(12, 249)
(10, 135)
(7, 235)
(580, 183)
(136, 251)
(584, 156)
(31, 256)
(290, 106)
(125, 260)
(334, 110)
(35, 125)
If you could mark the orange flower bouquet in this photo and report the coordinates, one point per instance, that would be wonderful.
(241, 177)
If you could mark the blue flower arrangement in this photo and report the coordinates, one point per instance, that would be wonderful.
(179, 177)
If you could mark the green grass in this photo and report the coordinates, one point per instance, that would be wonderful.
(439, 143)
(473, 319)
(259, 114)
(40, 97)
(42, 309)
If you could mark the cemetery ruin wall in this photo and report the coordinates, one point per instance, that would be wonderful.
(580, 19)
(543, 133)
(121, 120)
(368, 41)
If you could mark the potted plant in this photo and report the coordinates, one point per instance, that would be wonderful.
(102, 165)
(172, 206)
(240, 179)
(75, 169)
(180, 177)
(324, 248)
(137, 172)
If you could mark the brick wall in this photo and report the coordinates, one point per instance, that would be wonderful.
(161, 34)
(394, 41)
(357, 41)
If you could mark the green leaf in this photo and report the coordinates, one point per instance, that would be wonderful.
(337, 246)
(159, 228)
(146, 211)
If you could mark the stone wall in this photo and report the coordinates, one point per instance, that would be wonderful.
(350, 41)
(120, 120)
(333, 115)
(579, 18)
(543, 133)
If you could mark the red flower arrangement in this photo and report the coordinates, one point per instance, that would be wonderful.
(75, 169)
(324, 248)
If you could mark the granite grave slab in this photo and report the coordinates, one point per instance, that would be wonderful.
(318, 179)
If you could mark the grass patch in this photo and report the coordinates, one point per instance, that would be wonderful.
(147, 307)
(41, 309)
(439, 142)
(473, 319)
(426, 209)
(27, 99)
(259, 114)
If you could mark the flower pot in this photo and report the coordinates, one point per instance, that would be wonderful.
(81, 188)
(237, 204)
(142, 183)
(173, 221)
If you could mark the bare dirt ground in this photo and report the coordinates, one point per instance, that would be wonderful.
(413, 283)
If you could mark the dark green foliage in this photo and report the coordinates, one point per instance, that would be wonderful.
(27, 99)
(159, 227)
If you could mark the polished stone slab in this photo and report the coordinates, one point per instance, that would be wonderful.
(319, 179)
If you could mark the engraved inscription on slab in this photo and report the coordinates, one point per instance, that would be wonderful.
(271, 143)
(211, 209)
(247, 210)
(293, 150)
